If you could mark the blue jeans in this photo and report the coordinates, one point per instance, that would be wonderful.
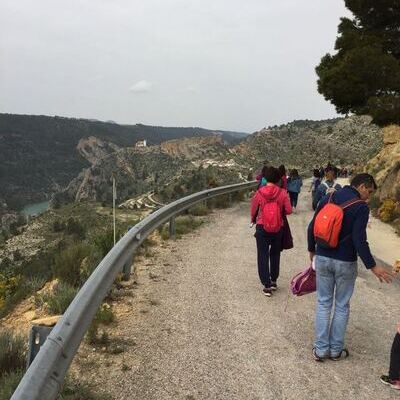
(335, 282)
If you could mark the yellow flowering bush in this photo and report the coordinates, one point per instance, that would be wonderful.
(8, 285)
(387, 211)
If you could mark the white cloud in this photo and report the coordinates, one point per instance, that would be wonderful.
(190, 89)
(142, 86)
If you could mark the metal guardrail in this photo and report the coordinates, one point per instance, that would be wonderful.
(44, 378)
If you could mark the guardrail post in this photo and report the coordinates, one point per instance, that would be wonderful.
(126, 270)
(171, 227)
(37, 337)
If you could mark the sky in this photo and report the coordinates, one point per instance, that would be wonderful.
(220, 64)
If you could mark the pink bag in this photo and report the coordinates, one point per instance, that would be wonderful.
(304, 282)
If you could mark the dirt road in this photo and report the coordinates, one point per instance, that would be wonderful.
(203, 329)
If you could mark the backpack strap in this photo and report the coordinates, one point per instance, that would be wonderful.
(345, 205)
(331, 197)
(325, 184)
(351, 202)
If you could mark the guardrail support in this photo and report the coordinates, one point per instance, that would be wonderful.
(171, 227)
(37, 337)
(126, 270)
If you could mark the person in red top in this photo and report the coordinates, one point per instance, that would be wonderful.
(282, 171)
(269, 244)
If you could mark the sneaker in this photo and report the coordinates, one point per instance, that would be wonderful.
(274, 286)
(267, 291)
(393, 384)
(317, 357)
(343, 354)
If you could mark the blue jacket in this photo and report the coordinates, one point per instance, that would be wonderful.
(353, 236)
(294, 185)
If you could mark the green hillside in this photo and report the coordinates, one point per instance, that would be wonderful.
(39, 155)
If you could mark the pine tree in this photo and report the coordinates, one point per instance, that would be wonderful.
(363, 76)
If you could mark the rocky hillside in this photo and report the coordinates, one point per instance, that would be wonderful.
(164, 169)
(385, 167)
(76, 158)
(304, 144)
(40, 155)
(174, 167)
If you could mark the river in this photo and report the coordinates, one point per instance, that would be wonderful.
(35, 208)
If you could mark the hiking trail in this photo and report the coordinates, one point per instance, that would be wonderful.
(202, 329)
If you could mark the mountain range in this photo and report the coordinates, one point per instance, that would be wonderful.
(73, 159)
(40, 155)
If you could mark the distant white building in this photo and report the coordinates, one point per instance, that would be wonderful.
(141, 143)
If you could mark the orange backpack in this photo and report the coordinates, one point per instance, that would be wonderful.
(328, 223)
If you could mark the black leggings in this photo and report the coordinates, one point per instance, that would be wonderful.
(293, 198)
(269, 246)
(394, 371)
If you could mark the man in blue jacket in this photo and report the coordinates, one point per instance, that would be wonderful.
(337, 268)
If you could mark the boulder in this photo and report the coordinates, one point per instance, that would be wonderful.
(47, 321)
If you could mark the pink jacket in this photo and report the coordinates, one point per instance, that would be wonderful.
(268, 193)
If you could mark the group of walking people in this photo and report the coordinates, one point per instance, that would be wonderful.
(291, 183)
(336, 236)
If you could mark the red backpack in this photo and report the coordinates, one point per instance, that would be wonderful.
(328, 223)
(272, 217)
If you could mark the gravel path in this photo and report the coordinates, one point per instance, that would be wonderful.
(203, 329)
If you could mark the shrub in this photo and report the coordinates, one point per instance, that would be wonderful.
(239, 196)
(9, 286)
(199, 210)
(387, 211)
(17, 256)
(220, 201)
(183, 225)
(9, 382)
(144, 249)
(58, 301)
(74, 227)
(34, 284)
(12, 352)
(39, 266)
(93, 336)
(58, 226)
(67, 265)
(104, 241)
(105, 315)
(81, 391)
(92, 333)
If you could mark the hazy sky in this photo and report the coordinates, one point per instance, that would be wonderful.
(223, 64)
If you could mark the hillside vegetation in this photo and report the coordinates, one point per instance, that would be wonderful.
(304, 144)
(165, 170)
(39, 154)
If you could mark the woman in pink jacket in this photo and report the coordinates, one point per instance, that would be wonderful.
(268, 205)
